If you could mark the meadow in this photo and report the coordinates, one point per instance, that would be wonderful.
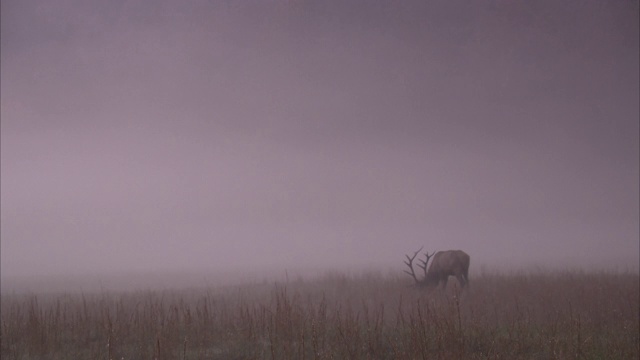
(515, 315)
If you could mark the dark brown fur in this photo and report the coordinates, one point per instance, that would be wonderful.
(445, 264)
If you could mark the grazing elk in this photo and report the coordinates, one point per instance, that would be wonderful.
(444, 264)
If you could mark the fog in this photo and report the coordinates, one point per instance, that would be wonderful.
(238, 136)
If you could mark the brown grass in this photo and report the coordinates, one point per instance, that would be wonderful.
(552, 315)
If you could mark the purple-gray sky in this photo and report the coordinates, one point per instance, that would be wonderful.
(165, 135)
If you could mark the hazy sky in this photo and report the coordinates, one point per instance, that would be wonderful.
(166, 135)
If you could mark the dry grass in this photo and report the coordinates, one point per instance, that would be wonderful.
(553, 315)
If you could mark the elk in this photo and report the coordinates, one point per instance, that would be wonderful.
(444, 264)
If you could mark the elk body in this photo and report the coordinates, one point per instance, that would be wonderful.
(444, 264)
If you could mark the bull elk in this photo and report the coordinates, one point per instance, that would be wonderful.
(444, 264)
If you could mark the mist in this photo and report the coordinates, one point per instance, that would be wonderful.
(224, 137)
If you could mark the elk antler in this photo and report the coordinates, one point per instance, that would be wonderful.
(409, 263)
(423, 263)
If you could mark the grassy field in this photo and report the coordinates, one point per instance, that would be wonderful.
(536, 315)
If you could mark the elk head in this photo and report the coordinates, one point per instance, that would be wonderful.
(422, 264)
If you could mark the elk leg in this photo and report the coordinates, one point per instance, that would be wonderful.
(444, 281)
(461, 280)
